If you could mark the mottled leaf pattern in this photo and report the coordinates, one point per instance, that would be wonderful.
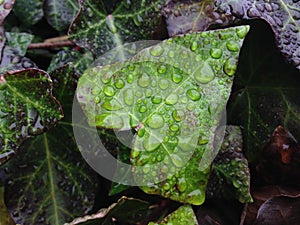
(27, 108)
(282, 15)
(19, 41)
(99, 30)
(29, 12)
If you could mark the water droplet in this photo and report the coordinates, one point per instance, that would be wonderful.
(178, 115)
(8, 5)
(196, 197)
(174, 127)
(230, 66)
(166, 186)
(172, 99)
(182, 184)
(232, 46)
(176, 77)
(111, 105)
(193, 94)
(253, 12)
(137, 20)
(135, 153)
(216, 53)
(155, 121)
(171, 54)
(130, 78)
(161, 69)
(242, 31)
(177, 160)
(156, 50)
(194, 46)
(148, 93)
(156, 99)
(142, 109)
(129, 97)
(109, 120)
(96, 91)
(144, 80)
(97, 99)
(204, 74)
(163, 84)
(151, 143)
(119, 83)
(109, 91)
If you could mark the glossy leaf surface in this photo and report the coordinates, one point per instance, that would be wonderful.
(27, 108)
(100, 30)
(19, 41)
(29, 12)
(60, 13)
(56, 183)
(170, 105)
(282, 15)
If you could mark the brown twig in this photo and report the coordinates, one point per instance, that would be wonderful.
(58, 44)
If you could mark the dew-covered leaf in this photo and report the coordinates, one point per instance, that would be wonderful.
(126, 210)
(11, 60)
(100, 30)
(265, 93)
(27, 108)
(29, 12)
(79, 60)
(192, 15)
(5, 8)
(282, 15)
(19, 41)
(183, 215)
(172, 94)
(60, 13)
(230, 173)
(48, 182)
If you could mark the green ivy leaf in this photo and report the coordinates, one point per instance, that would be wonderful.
(192, 15)
(5, 8)
(29, 12)
(265, 92)
(99, 30)
(230, 175)
(80, 61)
(127, 210)
(60, 13)
(19, 41)
(27, 108)
(48, 182)
(172, 94)
(282, 15)
(183, 215)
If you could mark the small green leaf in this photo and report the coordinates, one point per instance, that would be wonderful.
(230, 175)
(127, 210)
(56, 183)
(99, 30)
(5, 8)
(19, 41)
(172, 95)
(60, 13)
(27, 108)
(29, 12)
(183, 215)
(193, 15)
(282, 15)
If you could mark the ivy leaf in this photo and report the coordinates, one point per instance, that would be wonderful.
(80, 61)
(172, 94)
(192, 15)
(5, 8)
(29, 12)
(265, 92)
(282, 15)
(99, 30)
(60, 13)
(11, 60)
(183, 215)
(19, 41)
(127, 210)
(230, 175)
(27, 108)
(56, 183)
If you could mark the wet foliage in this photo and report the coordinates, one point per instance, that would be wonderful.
(203, 119)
